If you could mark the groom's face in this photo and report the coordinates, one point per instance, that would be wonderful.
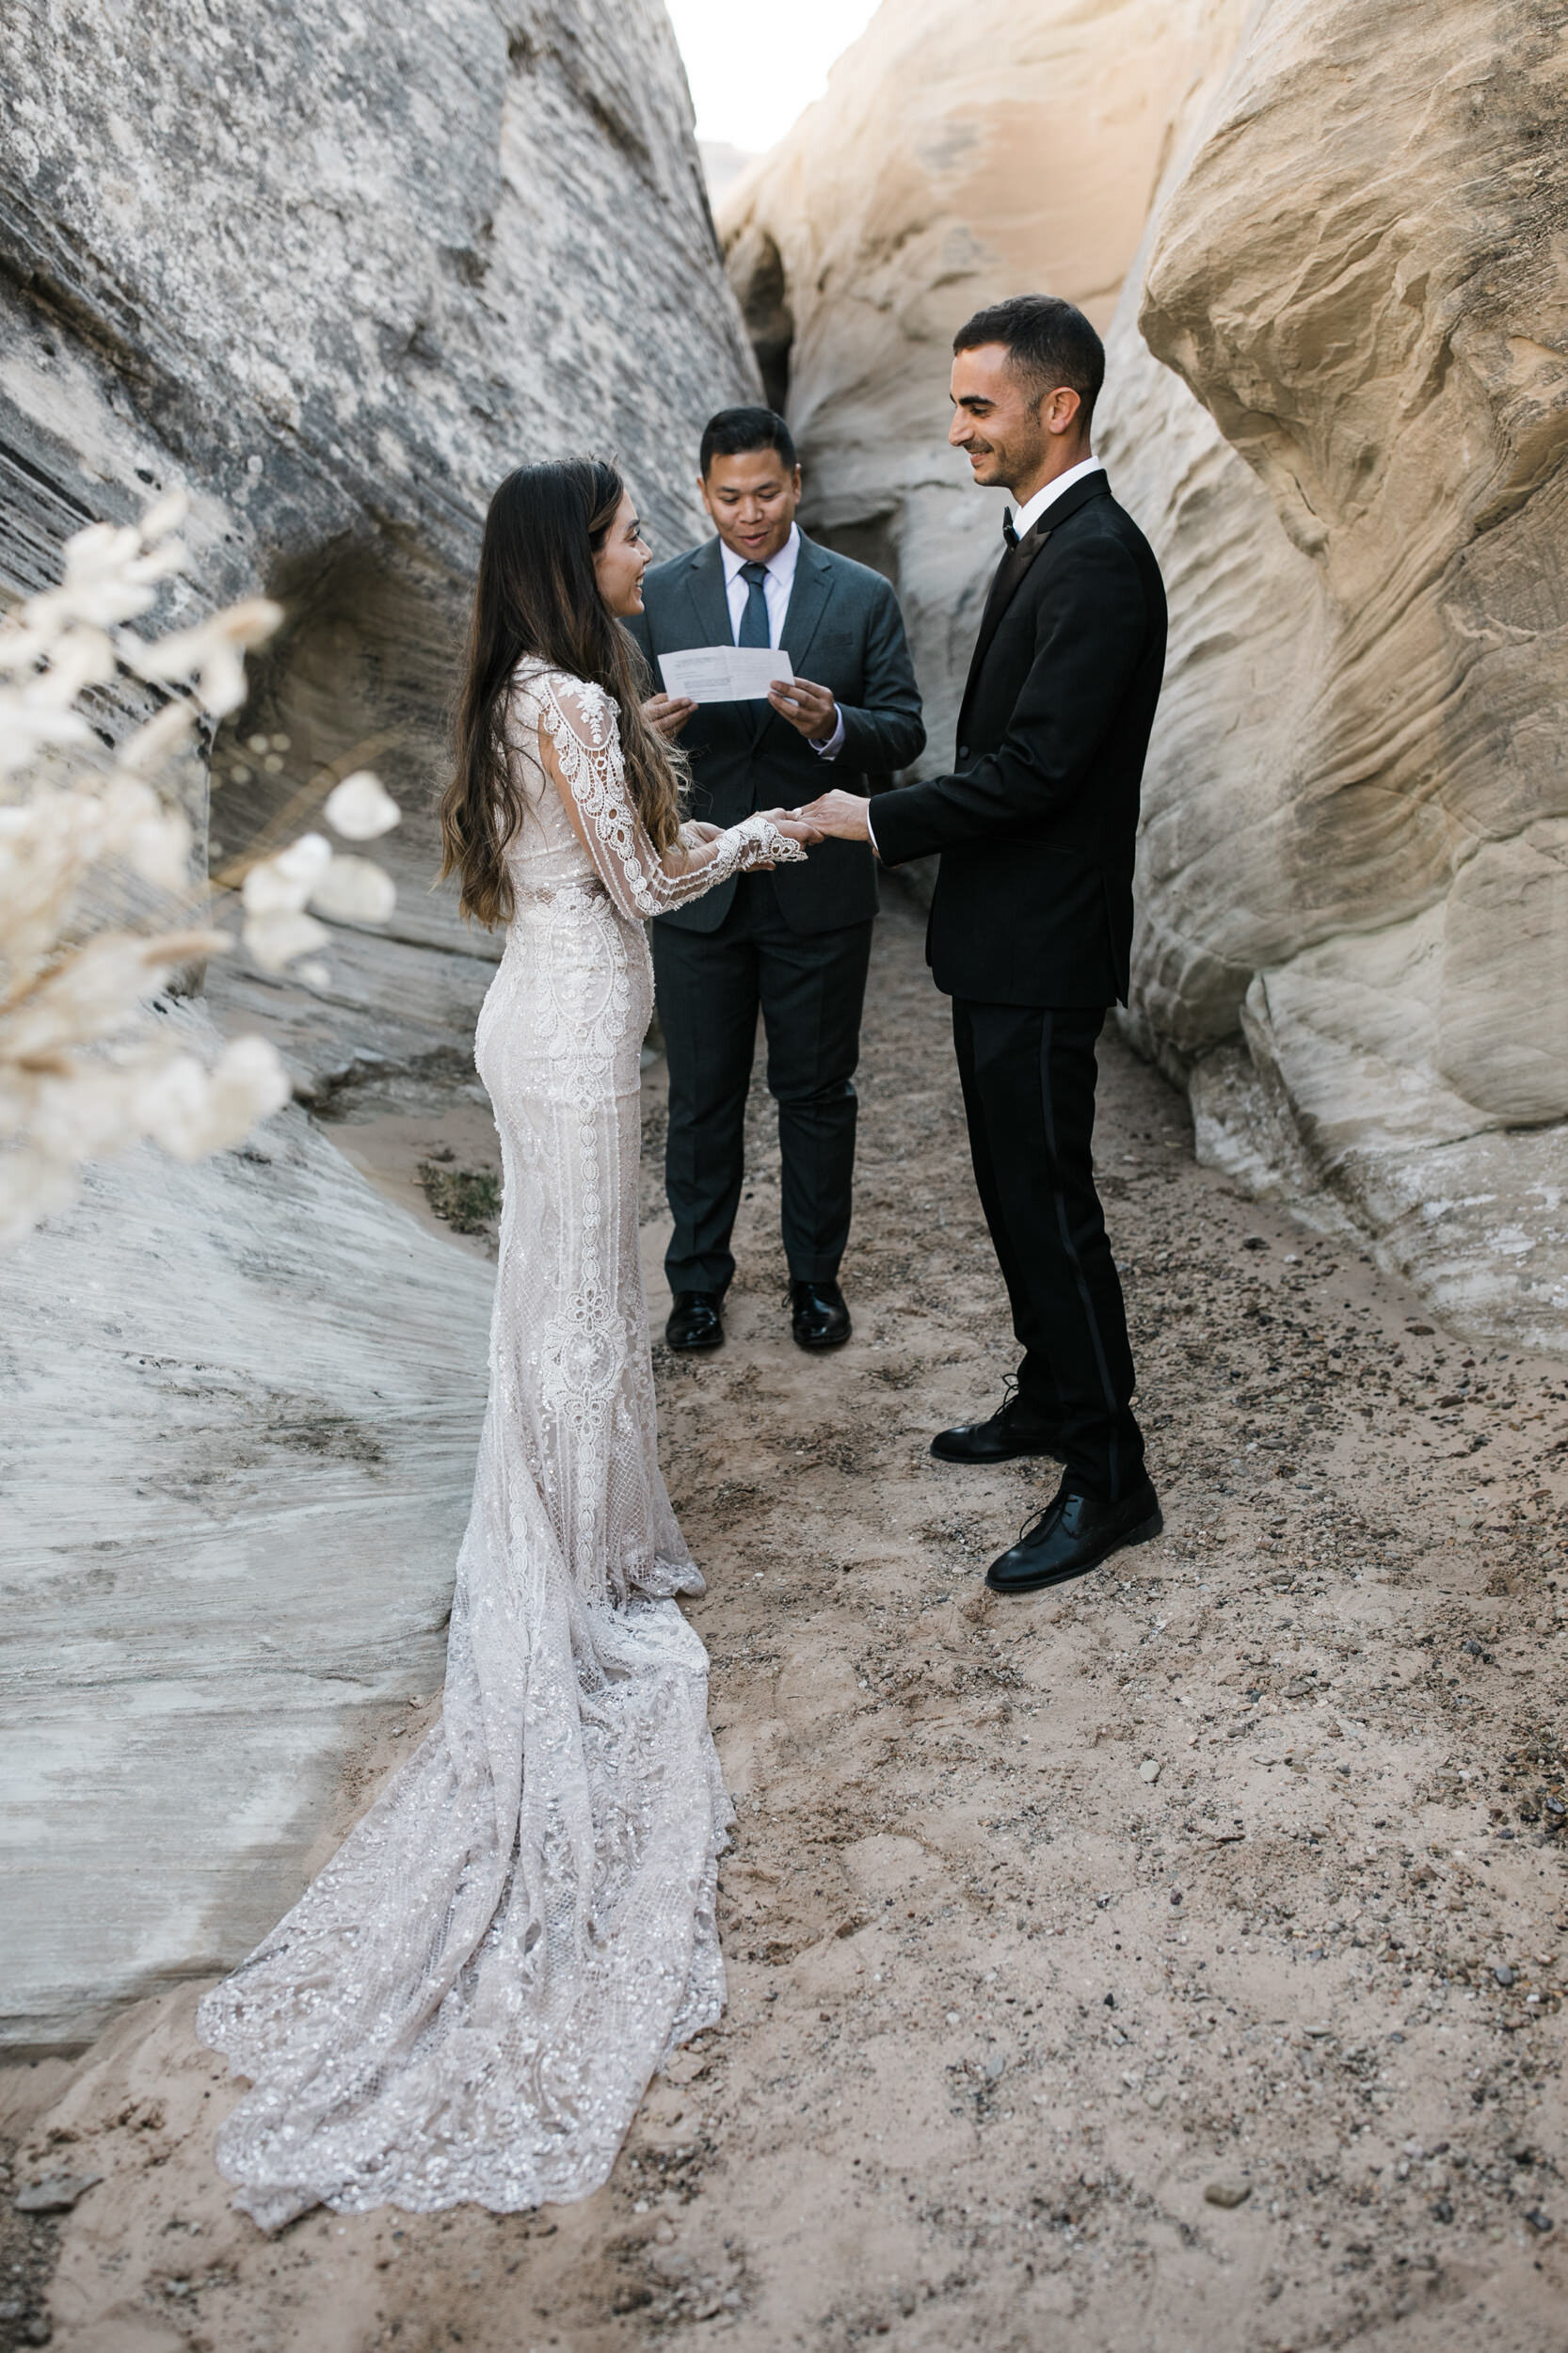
(752, 499)
(997, 421)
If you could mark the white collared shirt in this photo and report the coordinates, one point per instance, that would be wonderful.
(1027, 516)
(776, 588)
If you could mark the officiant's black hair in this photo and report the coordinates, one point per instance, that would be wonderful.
(1048, 342)
(735, 431)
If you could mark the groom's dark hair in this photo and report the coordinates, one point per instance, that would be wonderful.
(735, 431)
(1048, 342)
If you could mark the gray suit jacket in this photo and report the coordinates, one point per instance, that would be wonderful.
(844, 628)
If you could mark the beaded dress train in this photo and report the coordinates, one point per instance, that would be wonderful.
(468, 2004)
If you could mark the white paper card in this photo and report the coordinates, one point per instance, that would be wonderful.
(724, 674)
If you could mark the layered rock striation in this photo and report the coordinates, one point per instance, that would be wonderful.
(1342, 413)
(241, 1404)
(1338, 401)
(334, 271)
(938, 174)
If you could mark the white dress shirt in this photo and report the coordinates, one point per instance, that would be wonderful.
(1027, 516)
(776, 588)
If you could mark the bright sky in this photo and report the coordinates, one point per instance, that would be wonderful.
(752, 68)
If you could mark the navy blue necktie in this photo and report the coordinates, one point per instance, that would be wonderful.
(754, 620)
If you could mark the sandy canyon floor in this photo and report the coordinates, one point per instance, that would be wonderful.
(1170, 1963)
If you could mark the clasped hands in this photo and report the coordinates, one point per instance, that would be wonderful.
(788, 821)
(833, 816)
(814, 713)
(836, 816)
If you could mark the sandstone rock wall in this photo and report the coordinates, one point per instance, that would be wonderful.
(241, 1404)
(1337, 400)
(939, 173)
(335, 269)
(1354, 874)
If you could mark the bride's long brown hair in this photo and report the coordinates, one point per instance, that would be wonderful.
(536, 594)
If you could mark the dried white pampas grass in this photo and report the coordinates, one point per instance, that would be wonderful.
(84, 1070)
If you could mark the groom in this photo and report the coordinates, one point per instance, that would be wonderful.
(1031, 921)
(796, 942)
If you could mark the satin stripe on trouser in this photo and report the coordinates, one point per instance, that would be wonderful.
(1027, 1075)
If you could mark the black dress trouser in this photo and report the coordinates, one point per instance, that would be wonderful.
(1028, 1074)
(810, 988)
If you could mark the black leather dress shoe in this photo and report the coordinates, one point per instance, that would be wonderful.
(1073, 1534)
(818, 1316)
(1015, 1428)
(694, 1322)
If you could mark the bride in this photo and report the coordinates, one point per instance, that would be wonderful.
(469, 2003)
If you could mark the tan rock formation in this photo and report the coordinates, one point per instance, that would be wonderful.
(948, 165)
(1356, 844)
(1337, 400)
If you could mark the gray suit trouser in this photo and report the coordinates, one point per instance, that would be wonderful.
(810, 988)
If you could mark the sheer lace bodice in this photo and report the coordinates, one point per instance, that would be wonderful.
(469, 2000)
(581, 725)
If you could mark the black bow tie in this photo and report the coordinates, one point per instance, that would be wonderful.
(1008, 533)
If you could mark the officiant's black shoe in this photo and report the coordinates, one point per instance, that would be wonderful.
(1073, 1534)
(694, 1322)
(1015, 1428)
(818, 1316)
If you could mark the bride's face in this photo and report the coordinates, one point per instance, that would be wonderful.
(620, 563)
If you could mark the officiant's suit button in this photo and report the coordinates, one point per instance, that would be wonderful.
(694, 1322)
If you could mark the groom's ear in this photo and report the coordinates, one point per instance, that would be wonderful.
(1062, 410)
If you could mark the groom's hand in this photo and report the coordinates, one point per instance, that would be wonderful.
(841, 815)
(794, 824)
(668, 713)
(811, 709)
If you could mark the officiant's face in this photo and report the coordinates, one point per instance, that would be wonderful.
(752, 499)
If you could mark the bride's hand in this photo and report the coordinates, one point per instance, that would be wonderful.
(702, 829)
(793, 827)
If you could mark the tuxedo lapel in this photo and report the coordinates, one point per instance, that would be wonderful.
(1006, 581)
(1011, 571)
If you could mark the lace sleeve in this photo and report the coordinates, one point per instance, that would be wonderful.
(590, 776)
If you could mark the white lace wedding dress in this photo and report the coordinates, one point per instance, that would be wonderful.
(469, 2002)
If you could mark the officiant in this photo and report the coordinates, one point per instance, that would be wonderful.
(795, 943)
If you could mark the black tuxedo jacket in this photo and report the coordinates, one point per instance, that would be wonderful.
(844, 628)
(1037, 826)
